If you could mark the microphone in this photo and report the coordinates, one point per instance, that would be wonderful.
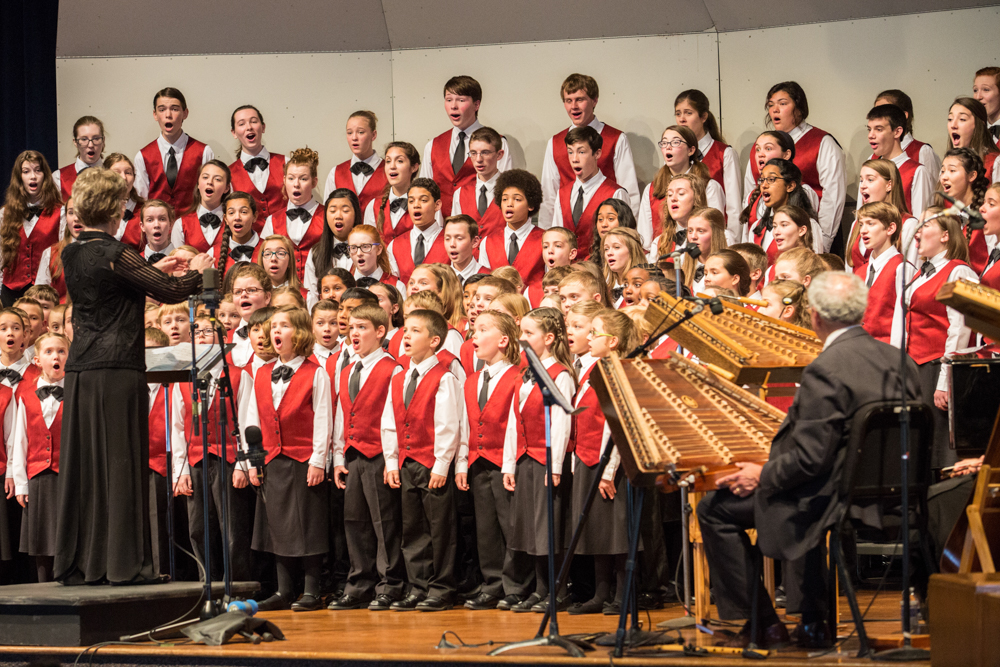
(714, 304)
(210, 295)
(688, 249)
(976, 220)
(254, 453)
(248, 607)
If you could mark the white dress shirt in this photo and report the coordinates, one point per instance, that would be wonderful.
(296, 228)
(258, 176)
(426, 168)
(242, 350)
(496, 371)
(19, 450)
(339, 430)
(560, 422)
(360, 180)
(447, 419)
(589, 189)
(371, 212)
(322, 405)
(732, 194)
(211, 233)
(958, 332)
(477, 185)
(521, 233)
(142, 178)
(430, 235)
(624, 176)
(149, 252)
(471, 269)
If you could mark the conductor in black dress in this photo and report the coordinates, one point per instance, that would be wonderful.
(792, 499)
(103, 532)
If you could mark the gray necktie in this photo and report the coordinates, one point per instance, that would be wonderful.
(512, 249)
(419, 252)
(484, 391)
(345, 361)
(459, 158)
(482, 201)
(354, 386)
(578, 207)
(871, 274)
(479, 364)
(411, 387)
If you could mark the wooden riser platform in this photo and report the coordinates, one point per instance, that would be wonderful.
(360, 637)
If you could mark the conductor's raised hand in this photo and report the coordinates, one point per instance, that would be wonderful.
(200, 262)
(171, 264)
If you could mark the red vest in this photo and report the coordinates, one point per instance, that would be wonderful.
(882, 299)
(43, 442)
(584, 229)
(442, 172)
(182, 194)
(907, 171)
(979, 252)
(443, 355)
(289, 429)
(913, 150)
(402, 252)
(606, 163)
(656, 210)
(6, 395)
(67, 177)
(988, 161)
(395, 344)
(158, 434)
(133, 236)
(363, 424)
(990, 278)
(272, 199)
(58, 283)
(195, 237)
(713, 160)
(806, 154)
(858, 258)
(343, 178)
(415, 424)
(589, 428)
(389, 232)
(29, 254)
(488, 428)
(531, 424)
(528, 261)
(771, 249)
(663, 349)
(492, 221)
(279, 225)
(467, 355)
(927, 328)
(534, 294)
(195, 447)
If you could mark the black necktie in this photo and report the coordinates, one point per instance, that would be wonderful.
(459, 158)
(418, 251)
(578, 206)
(244, 251)
(680, 237)
(354, 385)
(128, 215)
(242, 332)
(616, 293)
(362, 168)
(340, 250)
(210, 220)
(766, 224)
(33, 212)
(411, 387)
(482, 201)
(484, 391)
(528, 378)
(10, 375)
(281, 374)
(255, 163)
(927, 269)
(171, 167)
(52, 390)
(871, 274)
(995, 253)
(398, 204)
(512, 249)
(298, 213)
(995, 131)
(155, 257)
(699, 273)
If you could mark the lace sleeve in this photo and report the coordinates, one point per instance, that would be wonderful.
(131, 267)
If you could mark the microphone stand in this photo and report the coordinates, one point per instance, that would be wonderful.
(170, 483)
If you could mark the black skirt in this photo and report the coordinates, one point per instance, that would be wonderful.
(530, 530)
(606, 530)
(9, 542)
(292, 517)
(103, 522)
(38, 528)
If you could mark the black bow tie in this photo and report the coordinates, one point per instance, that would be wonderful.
(616, 292)
(398, 204)
(33, 212)
(242, 332)
(995, 131)
(362, 168)
(242, 250)
(680, 237)
(927, 269)
(699, 273)
(766, 223)
(155, 257)
(255, 163)
(529, 377)
(52, 390)
(281, 374)
(210, 220)
(299, 213)
(10, 375)
(340, 250)
(385, 344)
(994, 254)
(128, 215)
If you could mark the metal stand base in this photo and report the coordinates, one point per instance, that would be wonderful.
(903, 654)
(635, 638)
(558, 641)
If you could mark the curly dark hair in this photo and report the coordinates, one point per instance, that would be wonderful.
(524, 181)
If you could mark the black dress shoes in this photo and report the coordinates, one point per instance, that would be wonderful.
(813, 635)
(774, 636)
(434, 604)
(409, 603)
(508, 602)
(526, 604)
(542, 606)
(588, 607)
(381, 602)
(483, 601)
(274, 603)
(307, 603)
(347, 601)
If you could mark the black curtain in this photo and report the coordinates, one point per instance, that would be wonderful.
(27, 81)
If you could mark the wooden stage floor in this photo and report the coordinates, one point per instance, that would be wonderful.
(410, 638)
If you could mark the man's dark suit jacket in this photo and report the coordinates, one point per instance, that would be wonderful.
(798, 494)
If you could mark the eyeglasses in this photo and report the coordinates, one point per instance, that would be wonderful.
(83, 141)
(596, 334)
(280, 254)
(486, 154)
(203, 332)
(248, 291)
(674, 143)
(769, 180)
(364, 247)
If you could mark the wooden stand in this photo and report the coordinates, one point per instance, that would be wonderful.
(985, 507)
